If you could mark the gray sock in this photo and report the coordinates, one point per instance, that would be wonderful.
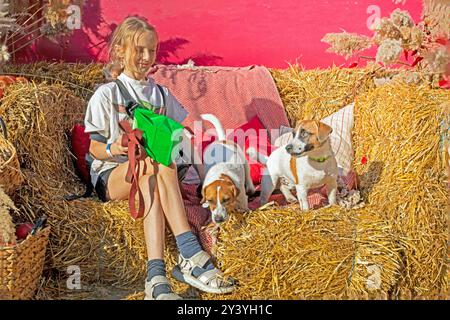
(157, 267)
(188, 246)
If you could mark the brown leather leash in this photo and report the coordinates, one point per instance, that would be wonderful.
(132, 138)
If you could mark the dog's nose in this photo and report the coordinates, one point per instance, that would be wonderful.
(289, 147)
(219, 219)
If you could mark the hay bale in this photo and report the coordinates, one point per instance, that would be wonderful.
(38, 117)
(100, 238)
(282, 253)
(80, 78)
(10, 173)
(397, 128)
(315, 94)
(445, 126)
(402, 231)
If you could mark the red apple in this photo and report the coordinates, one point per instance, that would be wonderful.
(23, 230)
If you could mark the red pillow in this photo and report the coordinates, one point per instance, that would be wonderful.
(80, 147)
(263, 146)
(239, 135)
(253, 134)
(205, 141)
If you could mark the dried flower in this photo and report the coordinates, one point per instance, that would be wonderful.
(380, 82)
(4, 54)
(412, 38)
(438, 59)
(436, 17)
(346, 44)
(6, 23)
(385, 29)
(364, 160)
(55, 17)
(52, 31)
(389, 51)
(401, 18)
(410, 77)
(416, 39)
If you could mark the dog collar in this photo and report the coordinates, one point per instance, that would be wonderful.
(320, 159)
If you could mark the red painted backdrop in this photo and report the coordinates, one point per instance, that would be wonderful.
(226, 32)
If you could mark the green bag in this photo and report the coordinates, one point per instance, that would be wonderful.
(161, 135)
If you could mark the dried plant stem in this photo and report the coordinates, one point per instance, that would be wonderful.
(373, 59)
(28, 33)
(27, 43)
(25, 22)
(22, 74)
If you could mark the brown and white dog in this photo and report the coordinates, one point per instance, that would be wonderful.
(227, 176)
(306, 162)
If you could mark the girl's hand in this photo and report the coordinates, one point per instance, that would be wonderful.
(117, 149)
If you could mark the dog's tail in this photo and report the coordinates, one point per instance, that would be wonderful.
(255, 155)
(217, 125)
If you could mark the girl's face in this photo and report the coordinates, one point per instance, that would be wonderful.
(143, 56)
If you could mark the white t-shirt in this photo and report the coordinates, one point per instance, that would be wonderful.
(106, 109)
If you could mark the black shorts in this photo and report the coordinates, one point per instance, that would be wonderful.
(101, 187)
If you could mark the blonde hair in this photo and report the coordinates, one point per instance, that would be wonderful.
(126, 35)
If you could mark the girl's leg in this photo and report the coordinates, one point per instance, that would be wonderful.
(203, 274)
(154, 222)
(173, 208)
(171, 199)
(171, 203)
(154, 232)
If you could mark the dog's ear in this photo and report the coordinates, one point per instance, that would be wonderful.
(298, 124)
(204, 202)
(323, 131)
(203, 196)
(236, 191)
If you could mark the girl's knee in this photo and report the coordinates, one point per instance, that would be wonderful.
(148, 181)
(147, 167)
(170, 171)
(149, 188)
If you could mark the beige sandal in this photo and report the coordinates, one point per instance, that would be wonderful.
(153, 283)
(211, 281)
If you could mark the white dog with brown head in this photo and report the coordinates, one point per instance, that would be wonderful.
(227, 176)
(306, 162)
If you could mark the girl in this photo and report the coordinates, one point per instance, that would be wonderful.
(134, 46)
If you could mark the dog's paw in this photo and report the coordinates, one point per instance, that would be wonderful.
(291, 200)
(304, 207)
(331, 202)
(250, 190)
(245, 209)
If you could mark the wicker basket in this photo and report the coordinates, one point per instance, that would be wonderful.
(10, 174)
(21, 266)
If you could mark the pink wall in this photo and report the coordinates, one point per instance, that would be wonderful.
(226, 33)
